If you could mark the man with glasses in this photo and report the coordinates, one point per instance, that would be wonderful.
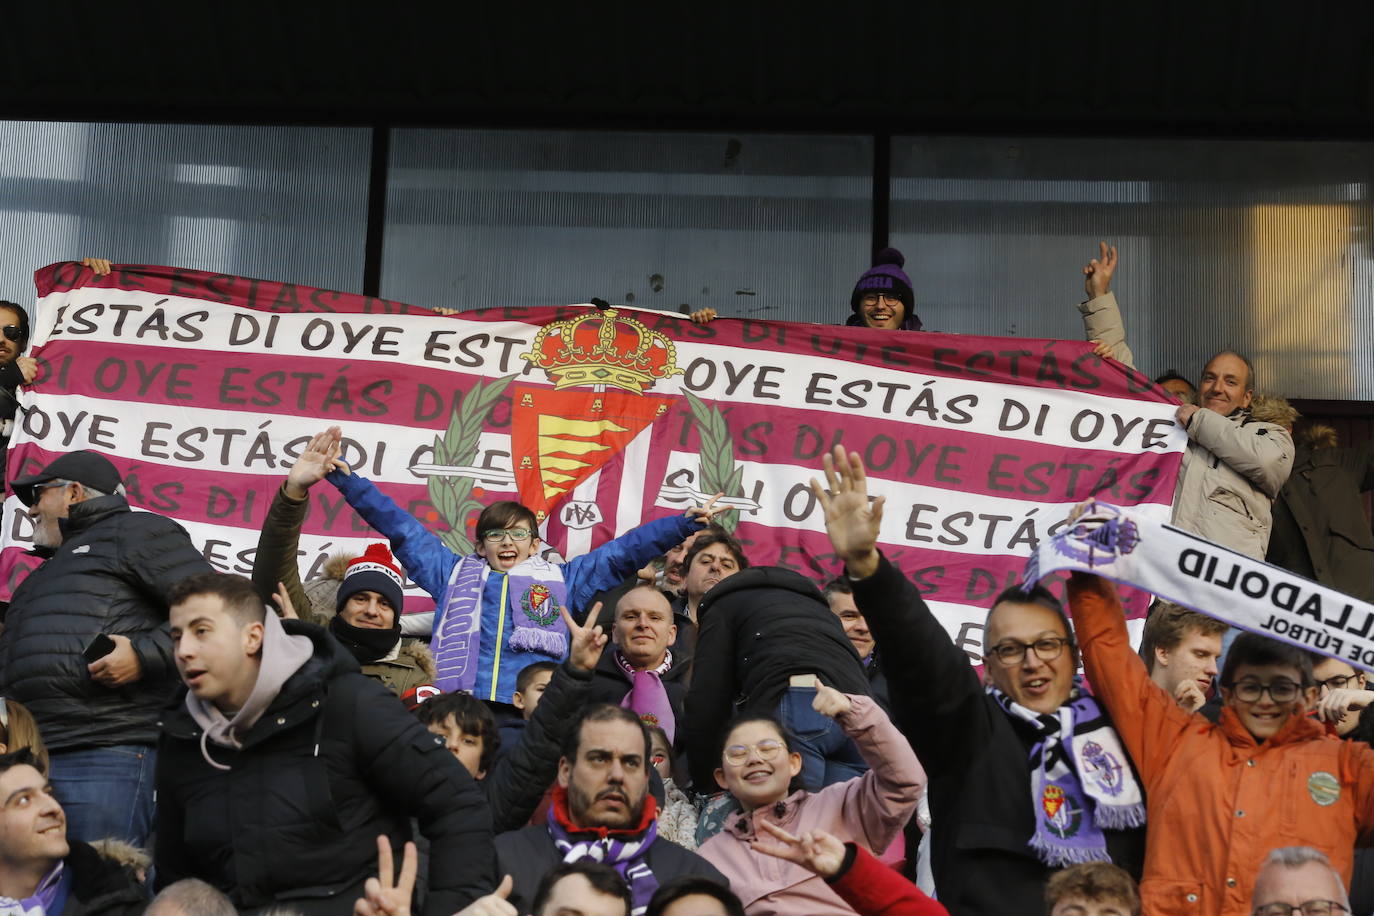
(496, 608)
(999, 779)
(1219, 795)
(1299, 880)
(85, 644)
(15, 370)
(601, 809)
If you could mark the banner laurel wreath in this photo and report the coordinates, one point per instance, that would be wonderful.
(452, 496)
(719, 472)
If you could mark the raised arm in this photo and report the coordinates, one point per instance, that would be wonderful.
(427, 561)
(1148, 720)
(877, 804)
(278, 546)
(1102, 321)
(611, 563)
(518, 780)
(936, 698)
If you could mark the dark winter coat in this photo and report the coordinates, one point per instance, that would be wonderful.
(610, 683)
(100, 887)
(975, 755)
(529, 854)
(335, 761)
(520, 775)
(110, 575)
(757, 629)
(1320, 530)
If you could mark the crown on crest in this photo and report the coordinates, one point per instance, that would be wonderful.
(603, 348)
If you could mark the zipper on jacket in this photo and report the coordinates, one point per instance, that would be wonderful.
(500, 635)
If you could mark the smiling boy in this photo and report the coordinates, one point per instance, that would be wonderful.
(496, 608)
(1220, 795)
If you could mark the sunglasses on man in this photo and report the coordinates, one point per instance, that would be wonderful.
(13, 332)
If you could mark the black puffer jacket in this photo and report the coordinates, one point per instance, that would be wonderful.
(335, 761)
(757, 628)
(975, 755)
(100, 887)
(109, 576)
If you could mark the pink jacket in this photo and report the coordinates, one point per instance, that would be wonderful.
(869, 810)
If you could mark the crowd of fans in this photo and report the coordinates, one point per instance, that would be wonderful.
(660, 728)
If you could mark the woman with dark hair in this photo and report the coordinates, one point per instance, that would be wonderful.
(759, 766)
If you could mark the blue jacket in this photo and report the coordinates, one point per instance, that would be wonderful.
(429, 563)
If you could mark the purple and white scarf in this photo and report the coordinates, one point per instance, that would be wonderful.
(626, 856)
(533, 592)
(1081, 781)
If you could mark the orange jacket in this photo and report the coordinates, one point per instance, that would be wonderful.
(1217, 801)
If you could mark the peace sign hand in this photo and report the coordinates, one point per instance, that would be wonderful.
(584, 643)
(380, 896)
(707, 514)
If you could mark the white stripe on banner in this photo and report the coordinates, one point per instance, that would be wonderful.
(953, 520)
(811, 382)
(1128, 547)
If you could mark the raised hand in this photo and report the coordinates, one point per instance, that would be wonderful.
(1189, 696)
(284, 606)
(707, 514)
(829, 701)
(816, 850)
(99, 266)
(1097, 275)
(380, 896)
(852, 522)
(493, 904)
(1339, 702)
(320, 457)
(584, 643)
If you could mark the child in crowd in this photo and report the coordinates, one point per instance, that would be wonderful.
(677, 819)
(515, 781)
(759, 766)
(1092, 889)
(530, 685)
(497, 608)
(1219, 795)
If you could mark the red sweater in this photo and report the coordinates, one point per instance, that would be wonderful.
(873, 889)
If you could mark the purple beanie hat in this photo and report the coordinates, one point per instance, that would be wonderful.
(886, 276)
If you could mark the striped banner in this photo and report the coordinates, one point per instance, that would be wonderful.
(202, 389)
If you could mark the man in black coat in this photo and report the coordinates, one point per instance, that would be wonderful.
(976, 754)
(105, 574)
(763, 633)
(282, 764)
(601, 808)
(40, 869)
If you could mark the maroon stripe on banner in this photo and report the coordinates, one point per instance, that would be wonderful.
(224, 289)
(938, 574)
(331, 390)
(326, 389)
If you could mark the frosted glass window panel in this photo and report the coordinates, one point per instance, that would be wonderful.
(1257, 246)
(280, 203)
(765, 226)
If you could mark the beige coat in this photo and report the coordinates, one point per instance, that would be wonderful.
(1234, 466)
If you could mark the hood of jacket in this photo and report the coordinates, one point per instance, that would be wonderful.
(771, 577)
(328, 661)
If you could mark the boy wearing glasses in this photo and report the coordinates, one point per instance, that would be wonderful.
(1220, 795)
(497, 609)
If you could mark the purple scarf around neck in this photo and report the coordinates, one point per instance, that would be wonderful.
(534, 590)
(627, 856)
